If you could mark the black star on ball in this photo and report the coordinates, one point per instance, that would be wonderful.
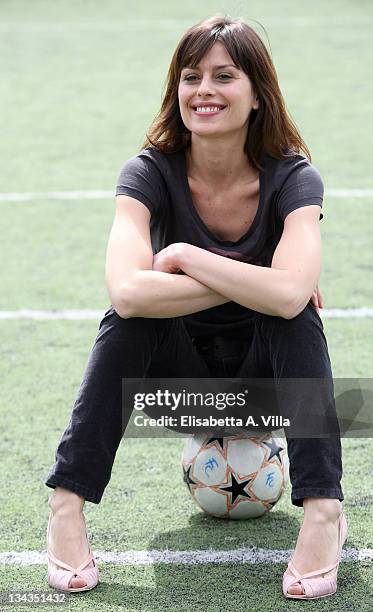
(220, 441)
(275, 449)
(187, 479)
(237, 488)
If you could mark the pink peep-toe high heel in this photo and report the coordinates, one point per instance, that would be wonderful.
(59, 577)
(313, 587)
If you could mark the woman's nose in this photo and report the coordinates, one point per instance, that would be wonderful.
(205, 87)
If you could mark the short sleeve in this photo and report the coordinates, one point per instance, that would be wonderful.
(302, 186)
(141, 178)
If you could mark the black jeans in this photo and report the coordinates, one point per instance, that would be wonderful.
(146, 347)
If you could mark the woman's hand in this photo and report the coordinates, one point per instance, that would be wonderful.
(316, 299)
(169, 259)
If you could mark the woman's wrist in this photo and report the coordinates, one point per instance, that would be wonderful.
(184, 254)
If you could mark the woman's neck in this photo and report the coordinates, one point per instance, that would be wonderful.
(219, 166)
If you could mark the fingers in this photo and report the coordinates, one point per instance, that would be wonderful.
(320, 299)
(314, 299)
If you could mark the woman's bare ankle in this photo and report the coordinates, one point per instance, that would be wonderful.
(63, 500)
(322, 508)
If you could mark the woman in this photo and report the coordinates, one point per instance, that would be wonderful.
(220, 192)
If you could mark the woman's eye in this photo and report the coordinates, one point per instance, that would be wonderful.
(194, 76)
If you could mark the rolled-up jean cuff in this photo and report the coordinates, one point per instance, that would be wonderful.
(75, 487)
(298, 495)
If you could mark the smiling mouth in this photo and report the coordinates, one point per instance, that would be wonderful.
(208, 111)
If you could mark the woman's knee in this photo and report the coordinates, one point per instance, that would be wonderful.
(134, 327)
(298, 346)
(306, 322)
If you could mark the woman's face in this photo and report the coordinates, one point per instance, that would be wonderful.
(215, 82)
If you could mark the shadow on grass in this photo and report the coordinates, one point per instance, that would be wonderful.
(226, 586)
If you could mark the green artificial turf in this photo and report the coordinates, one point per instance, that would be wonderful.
(81, 83)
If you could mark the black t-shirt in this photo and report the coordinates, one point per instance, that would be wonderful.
(160, 181)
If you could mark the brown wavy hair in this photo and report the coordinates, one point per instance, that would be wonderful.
(271, 129)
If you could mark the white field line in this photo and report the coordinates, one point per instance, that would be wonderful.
(45, 315)
(346, 313)
(86, 315)
(133, 25)
(185, 557)
(98, 194)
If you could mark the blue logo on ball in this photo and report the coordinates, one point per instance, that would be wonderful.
(210, 465)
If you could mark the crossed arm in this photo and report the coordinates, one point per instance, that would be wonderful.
(282, 290)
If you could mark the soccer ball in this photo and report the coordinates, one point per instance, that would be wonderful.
(235, 476)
